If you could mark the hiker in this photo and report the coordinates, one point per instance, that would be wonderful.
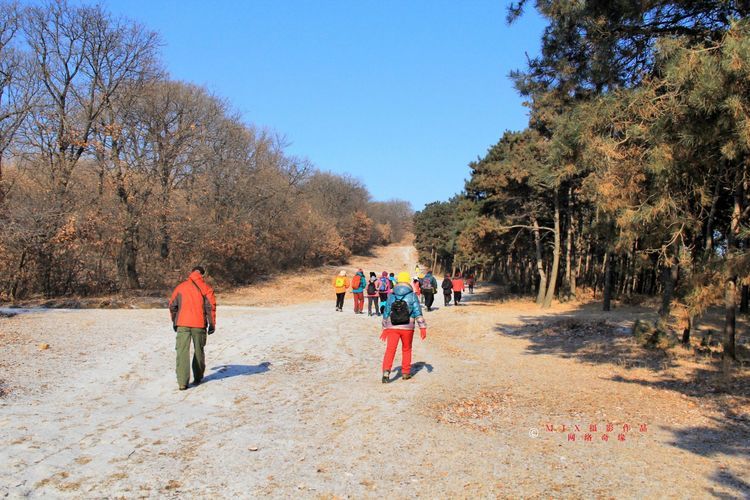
(458, 288)
(193, 311)
(401, 315)
(470, 283)
(372, 296)
(415, 286)
(417, 272)
(429, 285)
(359, 283)
(340, 286)
(384, 288)
(393, 280)
(447, 286)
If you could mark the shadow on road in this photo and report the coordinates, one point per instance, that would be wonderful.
(588, 338)
(415, 368)
(730, 436)
(226, 371)
(733, 481)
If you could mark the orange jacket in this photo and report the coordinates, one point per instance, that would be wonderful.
(458, 285)
(193, 303)
(341, 289)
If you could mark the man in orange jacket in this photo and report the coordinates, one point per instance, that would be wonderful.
(193, 311)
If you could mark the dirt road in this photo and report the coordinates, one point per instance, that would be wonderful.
(292, 406)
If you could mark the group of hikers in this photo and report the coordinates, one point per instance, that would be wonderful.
(377, 288)
(395, 298)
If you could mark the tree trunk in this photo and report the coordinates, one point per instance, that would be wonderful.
(17, 279)
(555, 256)
(709, 235)
(607, 293)
(669, 279)
(688, 331)
(2, 187)
(744, 298)
(730, 294)
(730, 321)
(166, 186)
(632, 270)
(568, 278)
(539, 263)
(127, 260)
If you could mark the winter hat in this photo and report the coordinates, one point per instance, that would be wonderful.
(342, 273)
(385, 274)
(403, 277)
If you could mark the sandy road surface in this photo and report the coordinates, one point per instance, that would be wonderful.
(292, 406)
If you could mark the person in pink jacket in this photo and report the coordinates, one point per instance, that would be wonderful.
(385, 287)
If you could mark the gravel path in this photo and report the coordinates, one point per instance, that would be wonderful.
(292, 406)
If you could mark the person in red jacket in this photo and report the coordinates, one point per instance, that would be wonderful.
(458, 288)
(193, 311)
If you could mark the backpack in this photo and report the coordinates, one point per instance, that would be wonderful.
(400, 314)
(383, 287)
(426, 284)
(371, 290)
(355, 281)
(340, 282)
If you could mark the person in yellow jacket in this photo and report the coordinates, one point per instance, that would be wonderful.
(340, 286)
(418, 272)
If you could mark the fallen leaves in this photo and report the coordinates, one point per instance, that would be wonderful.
(172, 485)
(478, 412)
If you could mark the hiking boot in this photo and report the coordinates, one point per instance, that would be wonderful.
(183, 387)
(406, 376)
(386, 377)
(197, 382)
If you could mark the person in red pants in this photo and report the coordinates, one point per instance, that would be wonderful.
(401, 315)
(359, 283)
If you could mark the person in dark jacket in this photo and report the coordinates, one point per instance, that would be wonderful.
(429, 287)
(373, 298)
(193, 312)
(447, 286)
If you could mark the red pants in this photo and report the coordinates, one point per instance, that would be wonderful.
(392, 338)
(359, 302)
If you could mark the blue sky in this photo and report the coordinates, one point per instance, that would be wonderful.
(400, 94)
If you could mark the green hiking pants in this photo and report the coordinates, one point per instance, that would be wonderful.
(182, 346)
